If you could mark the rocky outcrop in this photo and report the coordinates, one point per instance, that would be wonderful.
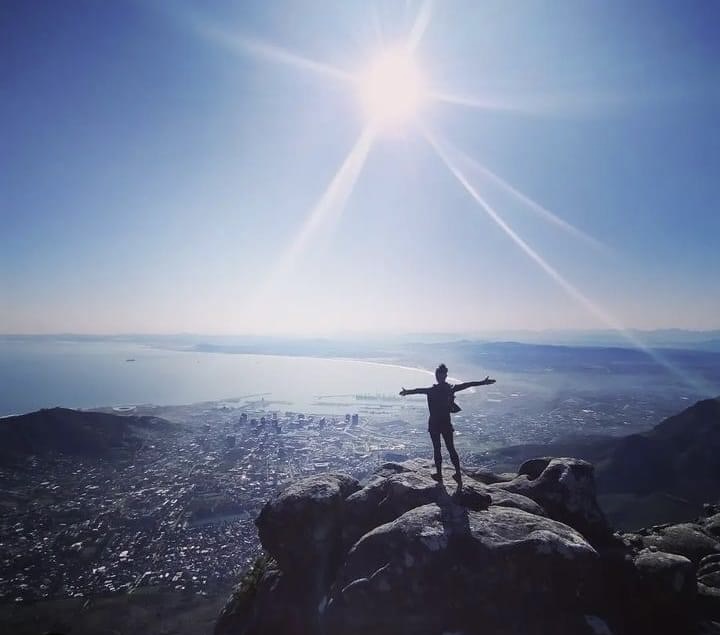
(527, 555)
(442, 567)
(302, 527)
(565, 488)
(687, 539)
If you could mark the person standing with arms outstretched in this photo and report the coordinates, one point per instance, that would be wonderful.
(441, 402)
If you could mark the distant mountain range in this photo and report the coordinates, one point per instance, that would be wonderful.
(364, 343)
(75, 432)
(662, 475)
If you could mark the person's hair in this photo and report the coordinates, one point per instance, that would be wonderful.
(441, 370)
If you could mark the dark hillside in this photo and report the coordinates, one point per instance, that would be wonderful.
(656, 476)
(74, 432)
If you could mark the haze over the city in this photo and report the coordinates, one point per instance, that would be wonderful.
(326, 167)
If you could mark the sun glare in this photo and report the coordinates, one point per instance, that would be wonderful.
(392, 88)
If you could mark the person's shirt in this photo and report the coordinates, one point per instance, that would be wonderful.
(440, 398)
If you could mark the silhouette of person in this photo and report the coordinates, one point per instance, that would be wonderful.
(441, 402)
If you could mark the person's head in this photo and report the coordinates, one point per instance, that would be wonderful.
(441, 373)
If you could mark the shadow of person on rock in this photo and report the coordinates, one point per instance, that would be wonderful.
(454, 518)
(441, 403)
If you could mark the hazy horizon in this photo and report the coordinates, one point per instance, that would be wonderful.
(375, 334)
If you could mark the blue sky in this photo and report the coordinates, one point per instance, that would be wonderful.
(157, 166)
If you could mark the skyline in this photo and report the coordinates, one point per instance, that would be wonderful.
(166, 159)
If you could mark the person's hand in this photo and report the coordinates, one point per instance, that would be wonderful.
(487, 381)
(403, 392)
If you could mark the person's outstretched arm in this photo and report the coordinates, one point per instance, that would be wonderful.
(414, 391)
(469, 384)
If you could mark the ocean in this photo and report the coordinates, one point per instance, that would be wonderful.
(38, 373)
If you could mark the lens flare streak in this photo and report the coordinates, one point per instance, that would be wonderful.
(275, 53)
(330, 205)
(520, 242)
(422, 20)
(541, 105)
(541, 211)
(571, 290)
(272, 52)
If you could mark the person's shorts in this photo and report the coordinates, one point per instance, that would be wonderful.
(438, 426)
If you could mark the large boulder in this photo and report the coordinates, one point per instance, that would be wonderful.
(443, 568)
(301, 528)
(666, 592)
(565, 489)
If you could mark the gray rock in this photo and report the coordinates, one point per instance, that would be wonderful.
(565, 489)
(265, 602)
(685, 539)
(426, 467)
(301, 526)
(385, 470)
(532, 468)
(387, 496)
(396, 488)
(708, 602)
(632, 540)
(672, 573)
(473, 496)
(712, 525)
(710, 509)
(666, 592)
(597, 625)
(503, 498)
(443, 568)
(709, 571)
(487, 477)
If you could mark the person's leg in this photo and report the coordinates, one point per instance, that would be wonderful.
(437, 453)
(447, 436)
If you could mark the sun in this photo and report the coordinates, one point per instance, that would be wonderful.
(392, 89)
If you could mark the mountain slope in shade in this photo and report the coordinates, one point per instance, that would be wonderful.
(661, 475)
(74, 432)
(684, 447)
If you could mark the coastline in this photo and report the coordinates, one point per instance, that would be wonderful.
(95, 375)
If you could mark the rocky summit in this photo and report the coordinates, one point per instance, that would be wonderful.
(513, 554)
